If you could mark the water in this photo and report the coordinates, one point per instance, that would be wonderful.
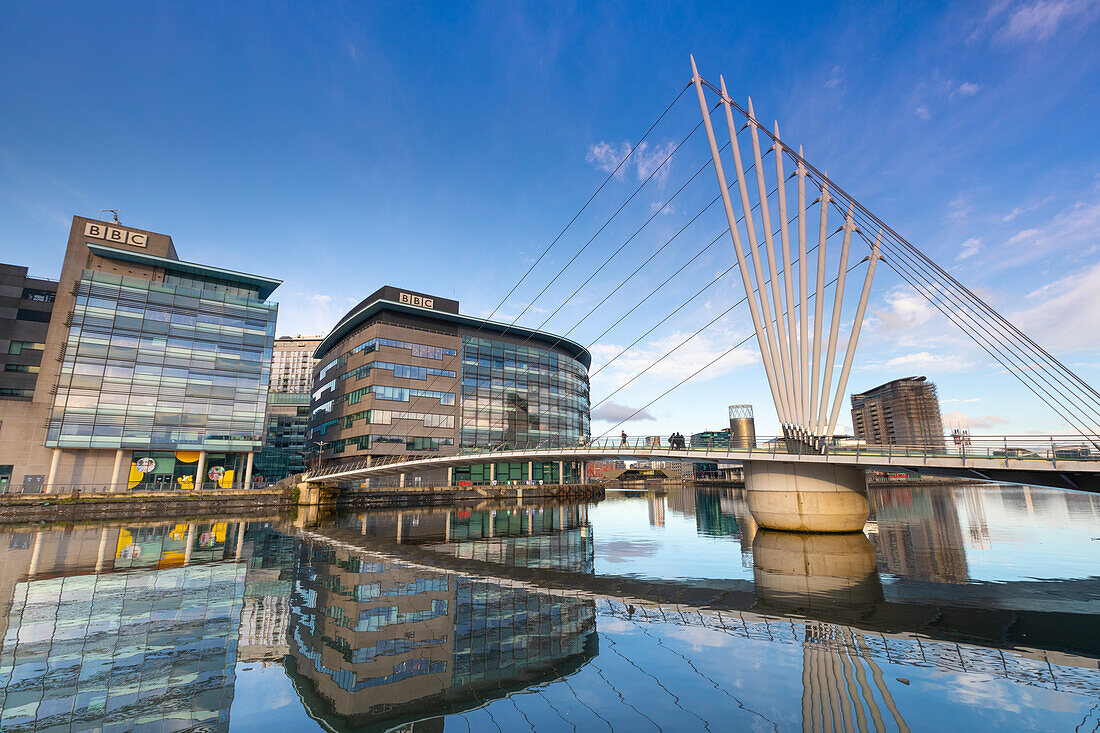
(960, 608)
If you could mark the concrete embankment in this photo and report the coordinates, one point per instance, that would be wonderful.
(85, 506)
(443, 495)
(80, 506)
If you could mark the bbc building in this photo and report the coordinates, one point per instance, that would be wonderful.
(136, 369)
(406, 374)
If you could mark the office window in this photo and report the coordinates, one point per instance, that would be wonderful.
(39, 296)
(28, 368)
(27, 314)
(18, 347)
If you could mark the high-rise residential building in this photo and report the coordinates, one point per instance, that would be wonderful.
(287, 418)
(292, 364)
(901, 412)
(153, 371)
(405, 373)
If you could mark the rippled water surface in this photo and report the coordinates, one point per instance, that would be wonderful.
(967, 608)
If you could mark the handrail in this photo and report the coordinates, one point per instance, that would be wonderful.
(1048, 449)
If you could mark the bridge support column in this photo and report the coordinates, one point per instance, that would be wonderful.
(315, 495)
(806, 497)
(809, 571)
(451, 476)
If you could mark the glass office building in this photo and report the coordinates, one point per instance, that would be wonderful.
(154, 370)
(179, 364)
(406, 373)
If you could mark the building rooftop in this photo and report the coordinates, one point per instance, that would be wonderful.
(265, 285)
(377, 302)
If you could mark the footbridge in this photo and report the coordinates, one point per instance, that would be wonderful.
(1064, 462)
(779, 216)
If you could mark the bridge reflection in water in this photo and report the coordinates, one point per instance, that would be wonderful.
(402, 618)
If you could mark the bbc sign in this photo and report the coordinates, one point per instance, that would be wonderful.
(417, 300)
(114, 234)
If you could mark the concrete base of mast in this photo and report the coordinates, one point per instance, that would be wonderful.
(806, 497)
(807, 571)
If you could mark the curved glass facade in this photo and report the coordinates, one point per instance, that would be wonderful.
(520, 395)
(396, 379)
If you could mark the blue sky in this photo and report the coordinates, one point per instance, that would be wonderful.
(441, 147)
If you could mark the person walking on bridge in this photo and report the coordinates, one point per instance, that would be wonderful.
(622, 442)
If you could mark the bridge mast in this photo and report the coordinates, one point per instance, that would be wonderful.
(765, 351)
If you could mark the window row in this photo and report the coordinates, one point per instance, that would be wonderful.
(419, 350)
(404, 371)
(394, 394)
(386, 417)
(411, 442)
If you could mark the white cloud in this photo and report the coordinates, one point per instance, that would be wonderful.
(1041, 19)
(679, 364)
(1019, 210)
(644, 159)
(968, 89)
(922, 112)
(1073, 230)
(968, 249)
(1066, 314)
(647, 160)
(906, 309)
(836, 78)
(925, 361)
(666, 209)
(960, 420)
(958, 209)
(607, 156)
(613, 412)
(310, 315)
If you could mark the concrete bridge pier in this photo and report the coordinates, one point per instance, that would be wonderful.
(316, 495)
(805, 571)
(806, 497)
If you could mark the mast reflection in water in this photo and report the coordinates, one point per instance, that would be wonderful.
(968, 607)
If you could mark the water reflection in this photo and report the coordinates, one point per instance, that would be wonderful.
(88, 648)
(806, 572)
(959, 607)
(424, 641)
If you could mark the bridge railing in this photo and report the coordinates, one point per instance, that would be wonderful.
(1038, 448)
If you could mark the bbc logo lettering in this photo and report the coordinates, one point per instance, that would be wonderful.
(417, 300)
(114, 234)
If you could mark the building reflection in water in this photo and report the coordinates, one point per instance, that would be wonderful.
(378, 640)
(918, 533)
(121, 628)
(719, 512)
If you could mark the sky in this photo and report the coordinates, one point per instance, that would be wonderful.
(443, 147)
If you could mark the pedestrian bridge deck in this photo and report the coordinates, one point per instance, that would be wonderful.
(1004, 459)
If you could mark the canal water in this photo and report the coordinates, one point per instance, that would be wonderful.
(962, 608)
